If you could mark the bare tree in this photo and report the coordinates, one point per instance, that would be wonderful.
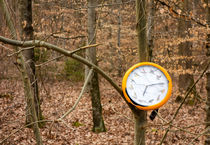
(26, 33)
(184, 50)
(26, 80)
(98, 122)
(150, 26)
(141, 21)
(119, 59)
(207, 141)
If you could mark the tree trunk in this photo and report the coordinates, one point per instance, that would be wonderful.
(150, 27)
(184, 50)
(140, 130)
(119, 58)
(26, 31)
(207, 141)
(26, 80)
(141, 21)
(1, 20)
(98, 122)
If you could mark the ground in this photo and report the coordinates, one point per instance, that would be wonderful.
(58, 97)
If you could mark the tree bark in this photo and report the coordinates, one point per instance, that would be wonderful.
(26, 80)
(119, 58)
(98, 122)
(207, 141)
(150, 27)
(143, 50)
(184, 49)
(1, 20)
(26, 33)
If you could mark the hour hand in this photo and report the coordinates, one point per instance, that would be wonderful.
(145, 90)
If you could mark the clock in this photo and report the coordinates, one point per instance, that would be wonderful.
(147, 86)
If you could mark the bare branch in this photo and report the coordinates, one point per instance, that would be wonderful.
(45, 63)
(203, 133)
(176, 14)
(20, 50)
(5, 47)
(39, 43)
(80, 95)
(73, 51)
(67, 38)
(181, 104)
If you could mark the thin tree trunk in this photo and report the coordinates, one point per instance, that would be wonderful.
(140, 130)
(98, 122)
(141, 21)
(207, 141)
(1, 20)
(184, 49)
(119, 59)
(150, 27)
(26, 80)
(26, 31)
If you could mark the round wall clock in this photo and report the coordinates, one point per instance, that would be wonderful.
(147, 86)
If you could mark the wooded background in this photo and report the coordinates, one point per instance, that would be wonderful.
(177, 33)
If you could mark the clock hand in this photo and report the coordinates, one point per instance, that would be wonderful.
(145, 90)
(155, 84)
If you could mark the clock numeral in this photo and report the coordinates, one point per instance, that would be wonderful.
(131, 87)
(135, 96)
(136, 75)
(162, 91)
(158, 77)
(158, 98)
(152, 71)
(141, 100)
(143, 71)
(150, 101)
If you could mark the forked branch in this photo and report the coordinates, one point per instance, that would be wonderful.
(38, 43)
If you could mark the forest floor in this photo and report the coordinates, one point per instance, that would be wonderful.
(58, 97)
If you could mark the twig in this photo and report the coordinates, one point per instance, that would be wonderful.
(203, 133)
(20, 50)
(19, 129)
(160, 117)
(189, 91)
(39, 43)
(5, 47)
(67, 125)
(120, 114)
(186, 95)
(80, 95)
(187, 131)
(180, 15)
(178, 128)
(196, 125)
(45, 63)
(67, 38)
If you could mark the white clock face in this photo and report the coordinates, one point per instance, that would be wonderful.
(146, 85)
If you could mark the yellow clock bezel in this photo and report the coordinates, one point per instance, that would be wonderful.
(152, 107)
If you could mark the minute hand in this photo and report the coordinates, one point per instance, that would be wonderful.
(155, 84)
